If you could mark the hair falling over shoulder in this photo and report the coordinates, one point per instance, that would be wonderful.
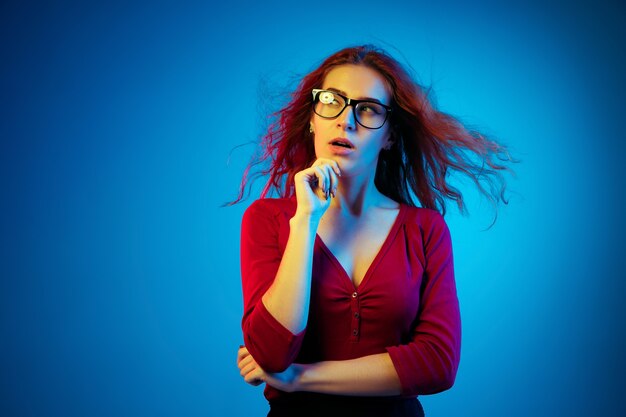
(428, 145)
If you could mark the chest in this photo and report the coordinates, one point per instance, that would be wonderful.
(371, 298)
(356, 245)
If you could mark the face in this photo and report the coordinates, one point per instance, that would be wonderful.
(343, 139)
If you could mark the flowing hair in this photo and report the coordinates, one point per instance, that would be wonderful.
(428, 145)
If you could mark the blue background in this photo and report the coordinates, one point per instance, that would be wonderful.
(120, 291)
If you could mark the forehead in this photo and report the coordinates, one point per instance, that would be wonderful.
(358, 81)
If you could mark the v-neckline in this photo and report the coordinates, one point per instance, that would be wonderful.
(383, 248)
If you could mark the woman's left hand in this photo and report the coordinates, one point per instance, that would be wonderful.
(254, 375)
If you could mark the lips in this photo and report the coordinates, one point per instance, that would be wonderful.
(342, 143)
(340, 147)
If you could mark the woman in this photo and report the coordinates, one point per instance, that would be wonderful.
(350, 304)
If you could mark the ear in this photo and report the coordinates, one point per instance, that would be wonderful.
(391, 138)
(389, 144)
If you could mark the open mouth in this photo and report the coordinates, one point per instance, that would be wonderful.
(342, 143)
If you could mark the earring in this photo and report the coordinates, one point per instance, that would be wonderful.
(311, 128)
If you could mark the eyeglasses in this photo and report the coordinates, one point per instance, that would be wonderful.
(369, 114)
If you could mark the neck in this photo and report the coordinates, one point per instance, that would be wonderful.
(355, 195)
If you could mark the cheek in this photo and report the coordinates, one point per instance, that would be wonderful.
(318, 142)
(321, 125)
(375, 143)
(321, 132)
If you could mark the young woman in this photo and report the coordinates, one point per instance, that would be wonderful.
(350, 304)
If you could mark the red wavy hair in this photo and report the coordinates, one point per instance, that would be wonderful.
(428, 145)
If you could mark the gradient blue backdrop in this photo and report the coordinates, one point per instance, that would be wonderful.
(120, 290)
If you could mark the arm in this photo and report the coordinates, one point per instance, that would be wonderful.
(277, 285)
(428, 363)
(272, 331)
(372, 375)
(293, 279)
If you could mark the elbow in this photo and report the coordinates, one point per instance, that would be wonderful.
(271, 363)
(442, 382)
(271, 345)
(433, 384)
(431, 372)
(443, 376)
(272, 357)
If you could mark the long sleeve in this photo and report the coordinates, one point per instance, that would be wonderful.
(428, 363)
(272, 345)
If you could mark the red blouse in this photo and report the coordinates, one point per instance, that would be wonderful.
(406, 303)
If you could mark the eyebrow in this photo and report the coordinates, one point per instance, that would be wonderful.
(336, 90)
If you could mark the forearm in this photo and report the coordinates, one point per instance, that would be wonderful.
(287, 299)
(372, 375)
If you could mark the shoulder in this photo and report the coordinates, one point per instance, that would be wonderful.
(423, 217)
(271, 208)
(425, 224)
(267, 220)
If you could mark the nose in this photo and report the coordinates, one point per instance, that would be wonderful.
(346, 119)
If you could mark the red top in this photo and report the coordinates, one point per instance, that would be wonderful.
(406, 303)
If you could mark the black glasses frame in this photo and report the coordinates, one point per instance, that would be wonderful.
(350, 102)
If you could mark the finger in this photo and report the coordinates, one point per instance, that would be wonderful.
(333, 172)
(330, 178)
(336, 168)
(250, 367)
(256, 382)
(245, 361)
(254, 377)
(241, 353)
(322, 178)
(333, 179)
(334, 164)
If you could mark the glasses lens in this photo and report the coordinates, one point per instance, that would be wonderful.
(370, 114)
(329, 104)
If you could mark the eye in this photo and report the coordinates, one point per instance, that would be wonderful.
(326, 97)
(371, 108)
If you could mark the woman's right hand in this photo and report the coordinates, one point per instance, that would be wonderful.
(315, 186)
